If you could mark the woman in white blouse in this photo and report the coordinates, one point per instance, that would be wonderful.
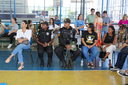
(25, 34)
(55, 28)
(52, 25)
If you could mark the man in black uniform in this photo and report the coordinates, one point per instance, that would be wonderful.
(44, 39)
(67, 35)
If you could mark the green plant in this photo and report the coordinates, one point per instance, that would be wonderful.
(71, 14)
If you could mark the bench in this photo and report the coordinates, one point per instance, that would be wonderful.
(5, 40)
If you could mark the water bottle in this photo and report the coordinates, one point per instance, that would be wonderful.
(100, 63)
(81, 62)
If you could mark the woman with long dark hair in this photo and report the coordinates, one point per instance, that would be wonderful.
(22, 35)
(108, 42)
(54, 28)
(52, 25)
(89, 40)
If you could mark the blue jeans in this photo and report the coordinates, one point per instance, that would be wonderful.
(102, 34)
(120, 60)
(19, 50)
(93, 50)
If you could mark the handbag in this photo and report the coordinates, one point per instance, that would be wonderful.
(102, 54)
(125, 50)
(24, 42)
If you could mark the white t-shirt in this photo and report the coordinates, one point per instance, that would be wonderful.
(27, 34)
(51, 27)
(41, 18)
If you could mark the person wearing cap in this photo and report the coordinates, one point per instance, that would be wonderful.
(44, 39)
(67, 35)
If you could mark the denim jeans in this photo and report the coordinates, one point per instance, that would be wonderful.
(102, 34)
(19, 50)
(94, 52)
(120, 60)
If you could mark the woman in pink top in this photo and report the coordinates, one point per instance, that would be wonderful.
(123, 30)
(123, 20)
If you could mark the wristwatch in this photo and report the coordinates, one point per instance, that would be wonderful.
(48, 44)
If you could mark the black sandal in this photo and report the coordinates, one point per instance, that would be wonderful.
(110, 66)
(88, 64)
(92, 65)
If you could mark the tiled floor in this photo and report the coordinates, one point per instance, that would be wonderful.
(54, 75)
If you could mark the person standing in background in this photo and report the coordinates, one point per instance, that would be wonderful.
(98, 27)
(106, 23)
(90, 18)
(42, 17)
(57, 20)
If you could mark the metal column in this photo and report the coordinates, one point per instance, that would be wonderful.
(10, 10)
(44, 8)
(102, 8)
(86, 7)
(125, 10)
(14, 9)
(76, 11)
(83, 8)
(122, 7)
(3, 8)
(60, 13)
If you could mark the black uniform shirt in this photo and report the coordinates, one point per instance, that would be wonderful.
(64, 38)
(44, 36)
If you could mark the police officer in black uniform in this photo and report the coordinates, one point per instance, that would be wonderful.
(67, 35)
(44, 39)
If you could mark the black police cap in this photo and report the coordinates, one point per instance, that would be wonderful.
(67, 20)
(45, 22)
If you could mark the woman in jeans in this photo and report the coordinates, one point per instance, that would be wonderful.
(13, 27)
(89, 40)
(26, 35)
(108, 42)
(122, 55)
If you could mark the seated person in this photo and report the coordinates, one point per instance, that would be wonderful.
(109, 40)
(120, 59)
(40, 25)
(67, 35)
(123, 73)
(89, 40)
(13, 27)
(22, 35)
(44, 40)
(1, 29)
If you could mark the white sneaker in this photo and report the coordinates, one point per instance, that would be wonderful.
(9, 46)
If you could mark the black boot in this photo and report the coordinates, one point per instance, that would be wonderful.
(63, 64)
(42, 63)
(49, 62)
